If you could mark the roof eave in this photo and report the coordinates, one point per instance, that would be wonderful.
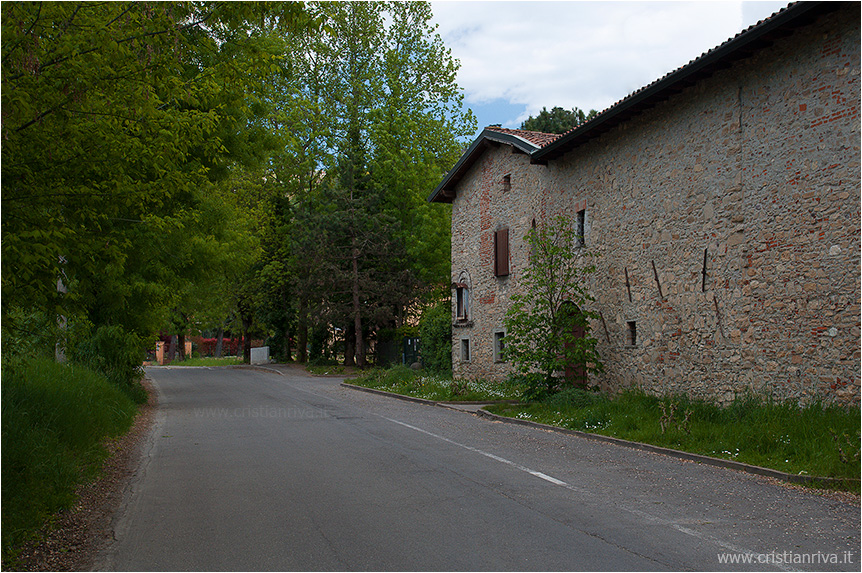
(445, 191)
(684, 76)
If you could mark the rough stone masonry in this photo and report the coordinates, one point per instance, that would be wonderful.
(727, 219)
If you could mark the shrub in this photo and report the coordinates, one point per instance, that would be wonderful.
(548, 325)
(117, 354)
(435, 337)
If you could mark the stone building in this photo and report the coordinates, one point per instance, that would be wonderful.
(724, 200)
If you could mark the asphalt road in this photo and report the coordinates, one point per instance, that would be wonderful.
(250, 470)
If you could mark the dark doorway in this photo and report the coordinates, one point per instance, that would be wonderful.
(576, 323)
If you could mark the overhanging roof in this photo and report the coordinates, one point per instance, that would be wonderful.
(445, 191)
(743, 45)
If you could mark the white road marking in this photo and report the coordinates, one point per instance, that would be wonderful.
(657, 520)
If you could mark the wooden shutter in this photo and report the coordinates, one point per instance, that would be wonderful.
(501, 253)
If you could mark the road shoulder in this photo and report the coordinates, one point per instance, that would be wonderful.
(77, 535)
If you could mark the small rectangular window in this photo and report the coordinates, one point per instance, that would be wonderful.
(580, 230)
(501, 253)
(499, 347)
(631, 333)
(507, 183)
(465, 350)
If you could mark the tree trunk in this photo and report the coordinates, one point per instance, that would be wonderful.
(181, 347)
(286, 345)
(246, 350)
(357, 316)
(349, 346)
(172, 349)
(302, 341)
(219, 342)
(285, 348)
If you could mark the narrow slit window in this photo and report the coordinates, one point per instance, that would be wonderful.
(631, 333)
(507, 183)
(580, 230)
(462, 302)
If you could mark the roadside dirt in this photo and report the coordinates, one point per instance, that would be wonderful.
(75, 537)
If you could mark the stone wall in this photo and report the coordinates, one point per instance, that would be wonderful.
(755, 171)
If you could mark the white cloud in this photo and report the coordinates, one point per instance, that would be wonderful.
(584, 54)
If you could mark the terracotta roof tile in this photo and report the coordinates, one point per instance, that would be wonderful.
(535, 137)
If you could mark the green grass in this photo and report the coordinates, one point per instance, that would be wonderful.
(209, 361)
(55, 419)
(441, 388)
(813, 440)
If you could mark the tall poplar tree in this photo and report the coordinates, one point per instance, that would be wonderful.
(375, 123)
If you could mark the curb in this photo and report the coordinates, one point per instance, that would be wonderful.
(255, 367)
(452, 405)
(390, 394)
(699, 458)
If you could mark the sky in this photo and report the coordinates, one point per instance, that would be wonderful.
(519, 56)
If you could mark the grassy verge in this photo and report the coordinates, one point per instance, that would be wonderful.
(814, 440)
(419, 384)
(209, 361)
(55, 419)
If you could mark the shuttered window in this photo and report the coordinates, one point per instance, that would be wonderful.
(462, 302)
(581, 231)
(501, 253)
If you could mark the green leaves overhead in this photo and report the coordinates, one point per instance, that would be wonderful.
(377, 99)
(116, 118)
(161, 158)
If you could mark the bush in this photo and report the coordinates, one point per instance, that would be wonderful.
(55, 418)
(322, 361)
(435, 337)
(29, 333)
(117, 355)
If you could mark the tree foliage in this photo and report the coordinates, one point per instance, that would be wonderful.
(206, 165)
(547, 326)
(435, 334)
(558, 120)
(371, 121)
(117, 120)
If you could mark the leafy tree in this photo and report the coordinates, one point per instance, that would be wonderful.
(415, 134)
(117, 118)
(435, 333)
(370, 123)
(558, 120)
(547, 327)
